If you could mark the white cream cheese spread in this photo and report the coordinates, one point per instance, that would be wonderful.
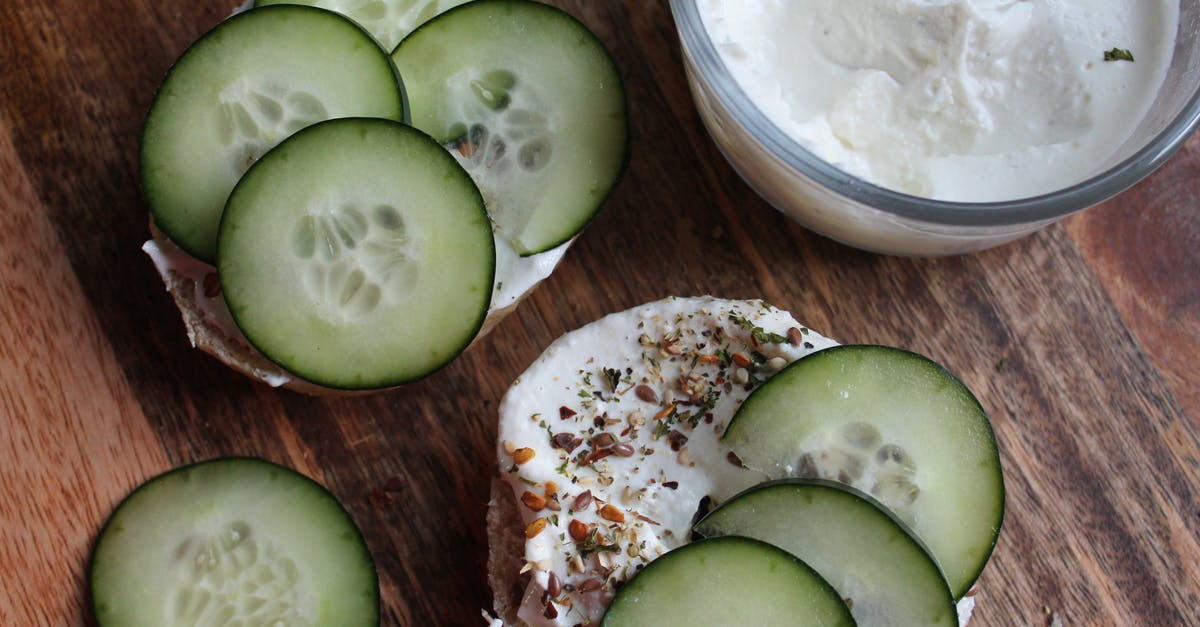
(964, 100)
(610, 440)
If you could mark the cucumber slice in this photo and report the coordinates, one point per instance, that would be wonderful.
(388, 21)
(727, 581)
(532, 106)
(239, 90)
(869, 557)
(232, 540)
(357, 254)
(894, 425)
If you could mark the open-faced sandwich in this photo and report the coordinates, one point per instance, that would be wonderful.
(705, 461)
(329, 216)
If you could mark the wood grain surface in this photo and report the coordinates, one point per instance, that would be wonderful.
(1081, 341)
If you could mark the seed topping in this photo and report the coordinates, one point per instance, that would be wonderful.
(523, 455)
(611, 513)
(534, 502)
(578, 529)
(646, 393)
(534, 528)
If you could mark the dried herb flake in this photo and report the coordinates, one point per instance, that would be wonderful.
(1118, 54)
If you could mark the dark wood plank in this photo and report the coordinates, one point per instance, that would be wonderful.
(1144, 248)
(1079, 340)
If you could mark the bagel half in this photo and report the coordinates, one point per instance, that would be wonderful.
(660, 379)
(609, 447)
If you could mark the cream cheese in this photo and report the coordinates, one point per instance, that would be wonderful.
(965, 100)
(646, 450)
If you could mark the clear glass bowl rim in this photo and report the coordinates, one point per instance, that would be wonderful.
(1044, 207)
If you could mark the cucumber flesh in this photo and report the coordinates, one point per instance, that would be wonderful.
(389, 21)
(894, 425)
(727, 581)
(252, 81)
(232, 540)
(530, 103)
(357, 254)
(868, 556)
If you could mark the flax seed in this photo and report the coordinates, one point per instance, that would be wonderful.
(646, 393)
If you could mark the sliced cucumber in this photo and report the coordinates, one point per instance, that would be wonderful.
(232, 542)
(868, 556)
(894, 425)
(357, 254)
(727, 581)
(242, 88)
(388, 21)
(530, 103)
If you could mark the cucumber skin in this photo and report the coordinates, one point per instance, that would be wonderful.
(848, 619)
(365, 387)
(987, 424)
(823, 483)
(616, 71)
(405, 114)
(91, 571)
(840, 487)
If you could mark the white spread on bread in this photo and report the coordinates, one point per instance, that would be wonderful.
(646, 450)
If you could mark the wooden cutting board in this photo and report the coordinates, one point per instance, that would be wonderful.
(1081, 341)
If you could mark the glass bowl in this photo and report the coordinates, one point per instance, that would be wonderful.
(848, 209)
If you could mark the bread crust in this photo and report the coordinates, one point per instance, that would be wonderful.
(506, 554)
